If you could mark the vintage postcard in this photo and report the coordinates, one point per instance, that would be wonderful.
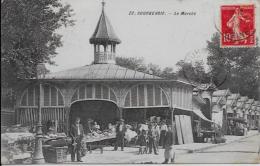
(130, 82)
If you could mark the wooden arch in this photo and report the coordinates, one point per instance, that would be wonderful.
(94, 92)
(146, 95)
(52, 96)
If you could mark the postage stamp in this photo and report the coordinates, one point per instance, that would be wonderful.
(238, 26)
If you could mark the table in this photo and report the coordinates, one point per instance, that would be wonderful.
(97, 143)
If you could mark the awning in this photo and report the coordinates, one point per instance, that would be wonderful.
(200, 114)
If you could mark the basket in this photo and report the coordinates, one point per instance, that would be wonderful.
(55, 154)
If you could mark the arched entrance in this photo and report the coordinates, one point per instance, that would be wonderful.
(94, 101)
(101, 111)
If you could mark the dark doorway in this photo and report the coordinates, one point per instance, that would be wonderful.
(142, 114)
(101, 111)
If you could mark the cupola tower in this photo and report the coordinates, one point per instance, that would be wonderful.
(104, 40)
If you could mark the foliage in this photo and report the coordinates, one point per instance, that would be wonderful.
(192, 72)
(29, 37)
(168, 72)
(132, 63)
(240, 67)
(139, 65)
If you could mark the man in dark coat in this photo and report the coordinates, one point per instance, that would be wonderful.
(152, 136)
(120, 134)
(76, 133)
(169, 153)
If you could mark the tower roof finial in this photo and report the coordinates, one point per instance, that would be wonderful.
(104, 32)
(103, 4)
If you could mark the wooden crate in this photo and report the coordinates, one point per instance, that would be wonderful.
(55, 154)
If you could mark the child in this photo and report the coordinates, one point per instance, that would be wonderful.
(142, 142)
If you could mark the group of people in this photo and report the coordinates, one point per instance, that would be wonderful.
(77, 133)
(150, 136)
(236, 128)
(158, 134)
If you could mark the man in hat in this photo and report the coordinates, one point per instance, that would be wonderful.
(120, 134)
(76, 133)
(152, 136)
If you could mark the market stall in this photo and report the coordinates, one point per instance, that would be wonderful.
(99, 139)
(98, 142)
(16, 145)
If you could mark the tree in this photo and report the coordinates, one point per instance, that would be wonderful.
(168, 72)
(139, 65)
(154, 69)
(29, 37)
(192, 72)
(240, 67)
(132, 63)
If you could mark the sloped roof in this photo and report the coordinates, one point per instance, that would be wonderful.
(248, 103)
(100, 71)
(255, 106)
(232, 99)
(256, 103)
(224, 92)
(205, 87)
(242, 101)
(104, 32)
(218, 96)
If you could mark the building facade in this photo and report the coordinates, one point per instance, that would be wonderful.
(102, 91)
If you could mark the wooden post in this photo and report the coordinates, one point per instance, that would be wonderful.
(56, 126)
(120, 109)
(145, 113)
(172, 111)
(67, 120)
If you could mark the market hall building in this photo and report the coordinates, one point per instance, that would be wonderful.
(102, 91)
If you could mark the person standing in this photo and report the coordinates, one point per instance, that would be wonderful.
(96, 127)
(169, 153)
(89, 126)
(157, 132)
(163, 133)
(152, 135)
(142, 142)
(76, 133)
(258, 125)
(120, 134)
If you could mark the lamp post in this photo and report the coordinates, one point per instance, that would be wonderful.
(38, 155)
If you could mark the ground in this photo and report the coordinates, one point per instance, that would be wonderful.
(241, 151)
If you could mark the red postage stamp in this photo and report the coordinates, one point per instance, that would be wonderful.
(238, 26)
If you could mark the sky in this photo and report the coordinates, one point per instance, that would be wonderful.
(159, 39)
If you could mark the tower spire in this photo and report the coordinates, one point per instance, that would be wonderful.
(103, 4)
(104, 40)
